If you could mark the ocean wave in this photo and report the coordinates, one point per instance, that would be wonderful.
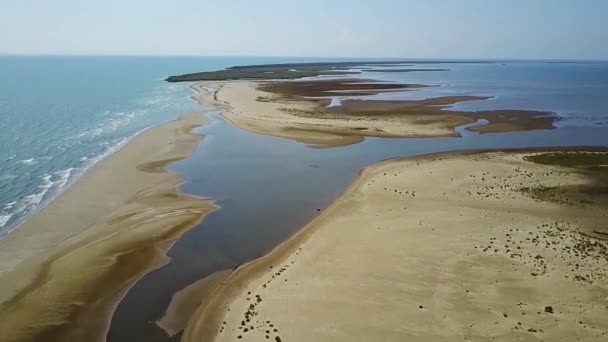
(50, 183)
(7, 177)
(4, 219)
(111, 124)
(29, 161)
(36, 198)
(9, 205)
(64, 177)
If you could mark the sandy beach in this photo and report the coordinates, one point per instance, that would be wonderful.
(65, 269)
(465, 246)
(291, 112)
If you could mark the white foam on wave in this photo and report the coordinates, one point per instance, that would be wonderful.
(111, 124)
(64, 177)
(28, 161)
(54, 183)
(9, 205)
(36, 198)
(4, 219)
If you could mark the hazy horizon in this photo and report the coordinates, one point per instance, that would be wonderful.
(382, 29)
(341, 58)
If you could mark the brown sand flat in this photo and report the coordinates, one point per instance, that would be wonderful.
(65, 269)
(438, 248)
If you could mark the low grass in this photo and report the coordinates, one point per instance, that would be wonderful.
(571, 159)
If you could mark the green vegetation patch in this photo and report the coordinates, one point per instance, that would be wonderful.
(571, 159)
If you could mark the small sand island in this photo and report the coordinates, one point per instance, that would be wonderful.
(299, 110)
(498, 246)
(303, 110)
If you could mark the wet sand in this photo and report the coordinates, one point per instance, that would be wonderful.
(442, 247)
(66, 268)
(295, 110)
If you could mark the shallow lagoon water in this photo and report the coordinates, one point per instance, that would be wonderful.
(270, 187)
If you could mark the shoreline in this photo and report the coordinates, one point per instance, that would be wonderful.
(86, 242)
(207, 322)
(76, 176)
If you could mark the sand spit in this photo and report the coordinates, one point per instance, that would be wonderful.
(65, 269)
(436, 248)
(185, 302)
(307, 118)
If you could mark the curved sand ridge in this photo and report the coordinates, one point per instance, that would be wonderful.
(501, 246)
(65, 269)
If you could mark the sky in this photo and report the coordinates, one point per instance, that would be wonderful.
(482, 29)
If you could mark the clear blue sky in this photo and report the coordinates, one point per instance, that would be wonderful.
(559, 29)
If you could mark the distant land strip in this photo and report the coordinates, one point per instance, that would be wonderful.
(299, 70)
(404, 70)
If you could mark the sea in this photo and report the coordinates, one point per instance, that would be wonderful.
(59, 115)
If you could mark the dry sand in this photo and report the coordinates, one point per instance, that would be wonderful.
(64, 270)
(437, 248)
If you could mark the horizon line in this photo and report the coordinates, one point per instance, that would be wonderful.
(368, 58)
